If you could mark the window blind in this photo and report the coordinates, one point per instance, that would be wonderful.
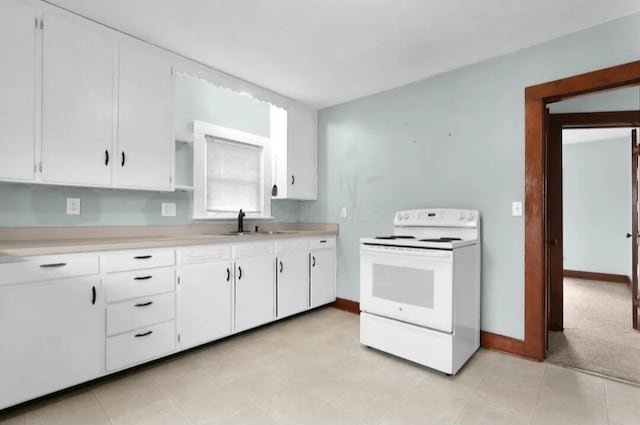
(234, 176)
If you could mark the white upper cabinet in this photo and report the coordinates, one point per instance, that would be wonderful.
(145, 118)
(17, 85)
(293, 133)
(77, 101)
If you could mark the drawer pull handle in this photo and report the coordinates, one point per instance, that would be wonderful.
(228, 274)
(323, 241)
(239, 272)
(142, 257)
(142, 277)
(281, 266)
(147, 304)
(93, 295)
(147, 333)
(314, 261)
(52, 265)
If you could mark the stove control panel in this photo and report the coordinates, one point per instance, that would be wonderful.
(437, 217)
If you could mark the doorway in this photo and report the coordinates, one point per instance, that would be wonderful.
(538, 238)
(589, 284)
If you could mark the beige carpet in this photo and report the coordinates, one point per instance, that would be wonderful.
(598, 335)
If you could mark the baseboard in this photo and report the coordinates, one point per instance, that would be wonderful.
(488, 340)
(502, 343)
(604, 277)
(347, 305)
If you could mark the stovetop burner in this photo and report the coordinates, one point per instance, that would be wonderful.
(442, 239)
(395, 237)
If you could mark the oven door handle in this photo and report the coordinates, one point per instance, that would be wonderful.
(424, 253)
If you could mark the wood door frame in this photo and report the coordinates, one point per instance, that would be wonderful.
(536, 99)
(557, 123)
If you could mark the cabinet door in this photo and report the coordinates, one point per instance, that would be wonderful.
(254, 292)
(323, 277)
(301, 155)
(52, 336)
(205, 302)
(145, 124)
(77, 102)
(17, 85)
(292, 271)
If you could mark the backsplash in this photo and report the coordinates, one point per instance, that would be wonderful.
(41, 205)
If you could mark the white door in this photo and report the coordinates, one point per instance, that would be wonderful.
(17, 85)
(77, 102)
(255, 292)
(292, 270)
(323, 277)
(205, 302)
(301, 155)
(52, 336)
(409, 284)
(145, 118)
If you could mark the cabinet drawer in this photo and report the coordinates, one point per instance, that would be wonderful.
(128, 315)
(320, 243)
(141, 283)
(204, 253)
(253, 249)
(138, 259)
(140, 345)
(34, 269)
(292, 245)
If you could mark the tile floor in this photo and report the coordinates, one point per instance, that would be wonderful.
(312, 370)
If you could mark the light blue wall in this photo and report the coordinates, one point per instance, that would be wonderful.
(199, 100)
(624, 99)
(453, 140)
(597, 206)
(38, 205)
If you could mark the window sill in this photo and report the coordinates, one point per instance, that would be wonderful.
(231, 217)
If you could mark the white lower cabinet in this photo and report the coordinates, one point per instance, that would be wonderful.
(140, 345)
(72, 318)
(323, 272)
(51, 337)
(292, 283)
(255, 291)
(206, 302)
(134, 314)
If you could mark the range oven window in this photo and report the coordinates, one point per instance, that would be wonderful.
(404, 285)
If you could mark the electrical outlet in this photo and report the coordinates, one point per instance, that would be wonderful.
(73, 206)
(344, 212)
(168, 209)
(516, 208)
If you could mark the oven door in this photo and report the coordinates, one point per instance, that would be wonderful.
(409, 284)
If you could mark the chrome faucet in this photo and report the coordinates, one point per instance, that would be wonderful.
(241, 215)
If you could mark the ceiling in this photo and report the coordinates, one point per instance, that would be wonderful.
(325, 52)
(594, 135)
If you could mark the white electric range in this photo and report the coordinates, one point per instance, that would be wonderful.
(420, 288)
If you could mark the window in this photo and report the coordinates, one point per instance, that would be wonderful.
(231, 172)
(233, 176)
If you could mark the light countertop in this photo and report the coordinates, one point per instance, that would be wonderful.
(25, 242)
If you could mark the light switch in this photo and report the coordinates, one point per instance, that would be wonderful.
(344, 212)
(516, 208)
(73, 206)
(168, 209)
